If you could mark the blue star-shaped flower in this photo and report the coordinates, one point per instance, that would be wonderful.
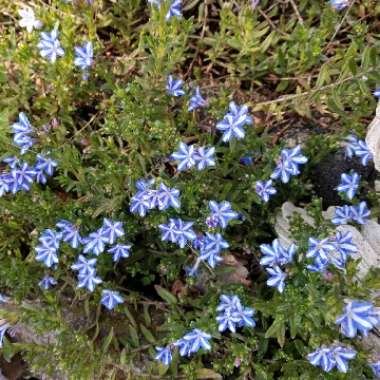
(339, 4)
(231, 128)
(83, 265)
(204, 157)
(322, 358)
(95, 242)
(119, 251)
(70, 233)
(275, 254)
(341, 356)
(320, 249)
(88, 280)
(276, 279)
(49, 46)
(164, 355)
(343, 215)
(265, 190)
(222, 212)
(185, 155)
(358, 317)
(288, 164)
(167, 197)
(112, 230)
(111, 298)
(47, 254)
(349, 184)
(174, 87)
(197, 101)
(140, 204)
(22, 178)
(197, 339)
(174, 10)
(4, 326)
(84, 56)
(47, 282)
(45, 164)
(360, 213)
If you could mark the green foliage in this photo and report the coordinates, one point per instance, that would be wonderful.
(306, 67)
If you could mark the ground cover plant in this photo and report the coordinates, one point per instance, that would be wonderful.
(146, 149)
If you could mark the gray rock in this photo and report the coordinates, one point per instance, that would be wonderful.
(373, 138)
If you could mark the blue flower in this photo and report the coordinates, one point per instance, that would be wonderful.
(345, 247)
(4, 326)
(197, 101)
(212, 247)
(234, 121)
(222, 212)
(375, 368)
(204, 157)
(343, 215)
(112, 230)
(83, 265)
(47, 254)
(349, 184)
(95, 242)
(231, 128)
(363, 152)
(44, 166)
(322, 358)
(12, 161)
(49, 46)
(275, 254)
(21, 178)
(111, 298)
(227, 321)
(288, 164)
(140, 203)
(360, 213)
(193, 341)
(88, 280)
(276, 279)
(377, 92)
(177, 231)
(70, 233)
(358, 148)
(50, 238)
(174, 87)
(265, 190)
(320, 249)
(84, 56)
(358, 317)
(119, 251)
(341, 355)
(339, 4)
(144, 184)
(47, 282)
(233, 314)
(174, 10)
(164, 355)
(185, 155)
(167, 197)
(21, 138)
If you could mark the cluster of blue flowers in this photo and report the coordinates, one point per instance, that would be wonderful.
(287, 166)
(233, 315)
(355, 213)
(174, 88)
(95, 243)
(375, 368)
(274, 257)
(174, 7)
(189, 156)
(335, 251)
(357, 148)
(358, 317)
(21, 175)
(147, 198)
(189, 344)
(177, 231)
(331, 357)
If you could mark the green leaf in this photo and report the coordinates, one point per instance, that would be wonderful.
(205, 373)
(147, 334)
(165, 295)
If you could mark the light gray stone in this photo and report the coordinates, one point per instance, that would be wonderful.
(373, 138)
